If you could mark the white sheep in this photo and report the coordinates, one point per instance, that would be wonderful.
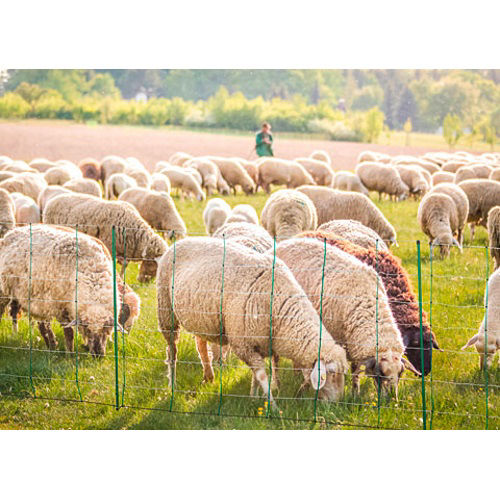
(215, 214)
(27, 210)
(184, 181)
(84, 186)
(319, 170)
(349, 181)
(160, 183)
(247, 234)
(48, 193)
(243, 213)
(116, 184)
(382, 179)
(7, 212)
(275, 171)
(321, 155)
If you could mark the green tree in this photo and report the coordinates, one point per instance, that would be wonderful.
(374, 124)
(452, 130)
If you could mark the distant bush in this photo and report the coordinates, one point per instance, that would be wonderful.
(51, 105)
(335, 131)
(86, 109)
(13, 106)
(154, 112)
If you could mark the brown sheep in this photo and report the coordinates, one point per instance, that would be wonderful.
(90, 168)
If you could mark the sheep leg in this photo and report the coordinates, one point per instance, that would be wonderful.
(217, 354)
(124, 267)
(356, 374)
(472, 226)
(14, 312)
(47, 335)
(202, 348)
(69, 338)
(275, 381)
(171, 360)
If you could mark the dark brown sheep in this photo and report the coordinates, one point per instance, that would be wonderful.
(91, 169)
(402, 300)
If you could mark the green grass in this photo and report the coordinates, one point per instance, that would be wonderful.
(457, 384)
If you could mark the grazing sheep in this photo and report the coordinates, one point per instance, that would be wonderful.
(184, 181)
(41, 164)
(438, 219)
(215, 214)
(84, 186)
(414, 179)
(321, 155)
(6, 175)
(209, 172)
(383, 179)
(7, 212)
(278, 172)
(332, 204)
(5, 160)
(135, 239)
(402, 300)
(160, 183)
(350, 307)
(140, 175)
(111, 165)
(355, 232)
(116, 184)
(487, 349)
(288, 212)
(452, 166)
(195, 174)
(244, 213)
(461, 202)
(234, 174)
(179, 158)
(27, 183)
(50, 253)
(319, 170)
(349, 181)
(373, 156)
(250, 167)
(157, 209)
(19, 167)
(494, 234)
(429, 167)
(440, 177)
(48, 193)
(472, 172)
(247, 234)
(483, 195)
(90, 168)
(245, 313)
(495, 175)
(57, 176)
(26, 209)
(427, 176)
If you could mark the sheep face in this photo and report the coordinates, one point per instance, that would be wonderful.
(331, 381)
(411, 340)
(96, 337)
(147, 271)
(445, 242)
(248, 188)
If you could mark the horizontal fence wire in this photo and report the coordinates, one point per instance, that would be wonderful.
(133, 374)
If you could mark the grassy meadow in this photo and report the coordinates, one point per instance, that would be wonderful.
(455, 395)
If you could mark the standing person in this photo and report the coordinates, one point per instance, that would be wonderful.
(264, 141)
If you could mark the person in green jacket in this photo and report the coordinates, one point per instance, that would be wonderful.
(264, 141)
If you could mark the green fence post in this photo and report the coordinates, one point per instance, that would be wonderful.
(320, 327)
(77, 381)
(431, 419)
(485, 366)
(424, 410)
(30, 326)
(115, 317)
(271, 332)
(124, 366)
(172, 317)
(376, 333)
(220, 326)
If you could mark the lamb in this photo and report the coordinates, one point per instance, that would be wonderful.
(26, 183)
(51, 253)
(7, 212)
(209, 172)
(90, 168)
(402, 300)
(244, 233)
(321, 155)
(135, 239)
(184, 181)
(355, 232)
(179, 158)
(351, 306)
(414, 179)
(160, 183)
(243, 213)
(41, 164)
(349, 181)
(319, 170)
(234, 174)
(483, 195)
(111, 165)
(26, 209)
(440, 177)
(215, 214)
(48, 193)
(157, 209)
(461, 202)
(116, 184)
(438, 219)
(494, 234)
(278, 172)
(287, 213)
(84, 186)
(383, 179)
(245, 313)
(332, 204)
(487, 340)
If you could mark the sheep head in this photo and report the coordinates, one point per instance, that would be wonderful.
(411, 340)
(330, 379)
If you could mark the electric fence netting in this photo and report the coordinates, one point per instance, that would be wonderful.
(71, 331)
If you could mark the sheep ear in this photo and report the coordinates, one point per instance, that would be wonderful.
(316, 382)
(457, 244)
(333, 368)
(410, 367)
(471, 341)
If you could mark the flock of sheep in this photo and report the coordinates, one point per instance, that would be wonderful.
(313, 281)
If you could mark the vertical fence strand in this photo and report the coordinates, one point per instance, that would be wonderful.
(220, 326)
(485, 365)
(419, 265)
(77, 376)
(124, 357)
(30, 326)
(271, 332)
(431, 418)
(376, 333)
(172, 318)
(115, 317)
